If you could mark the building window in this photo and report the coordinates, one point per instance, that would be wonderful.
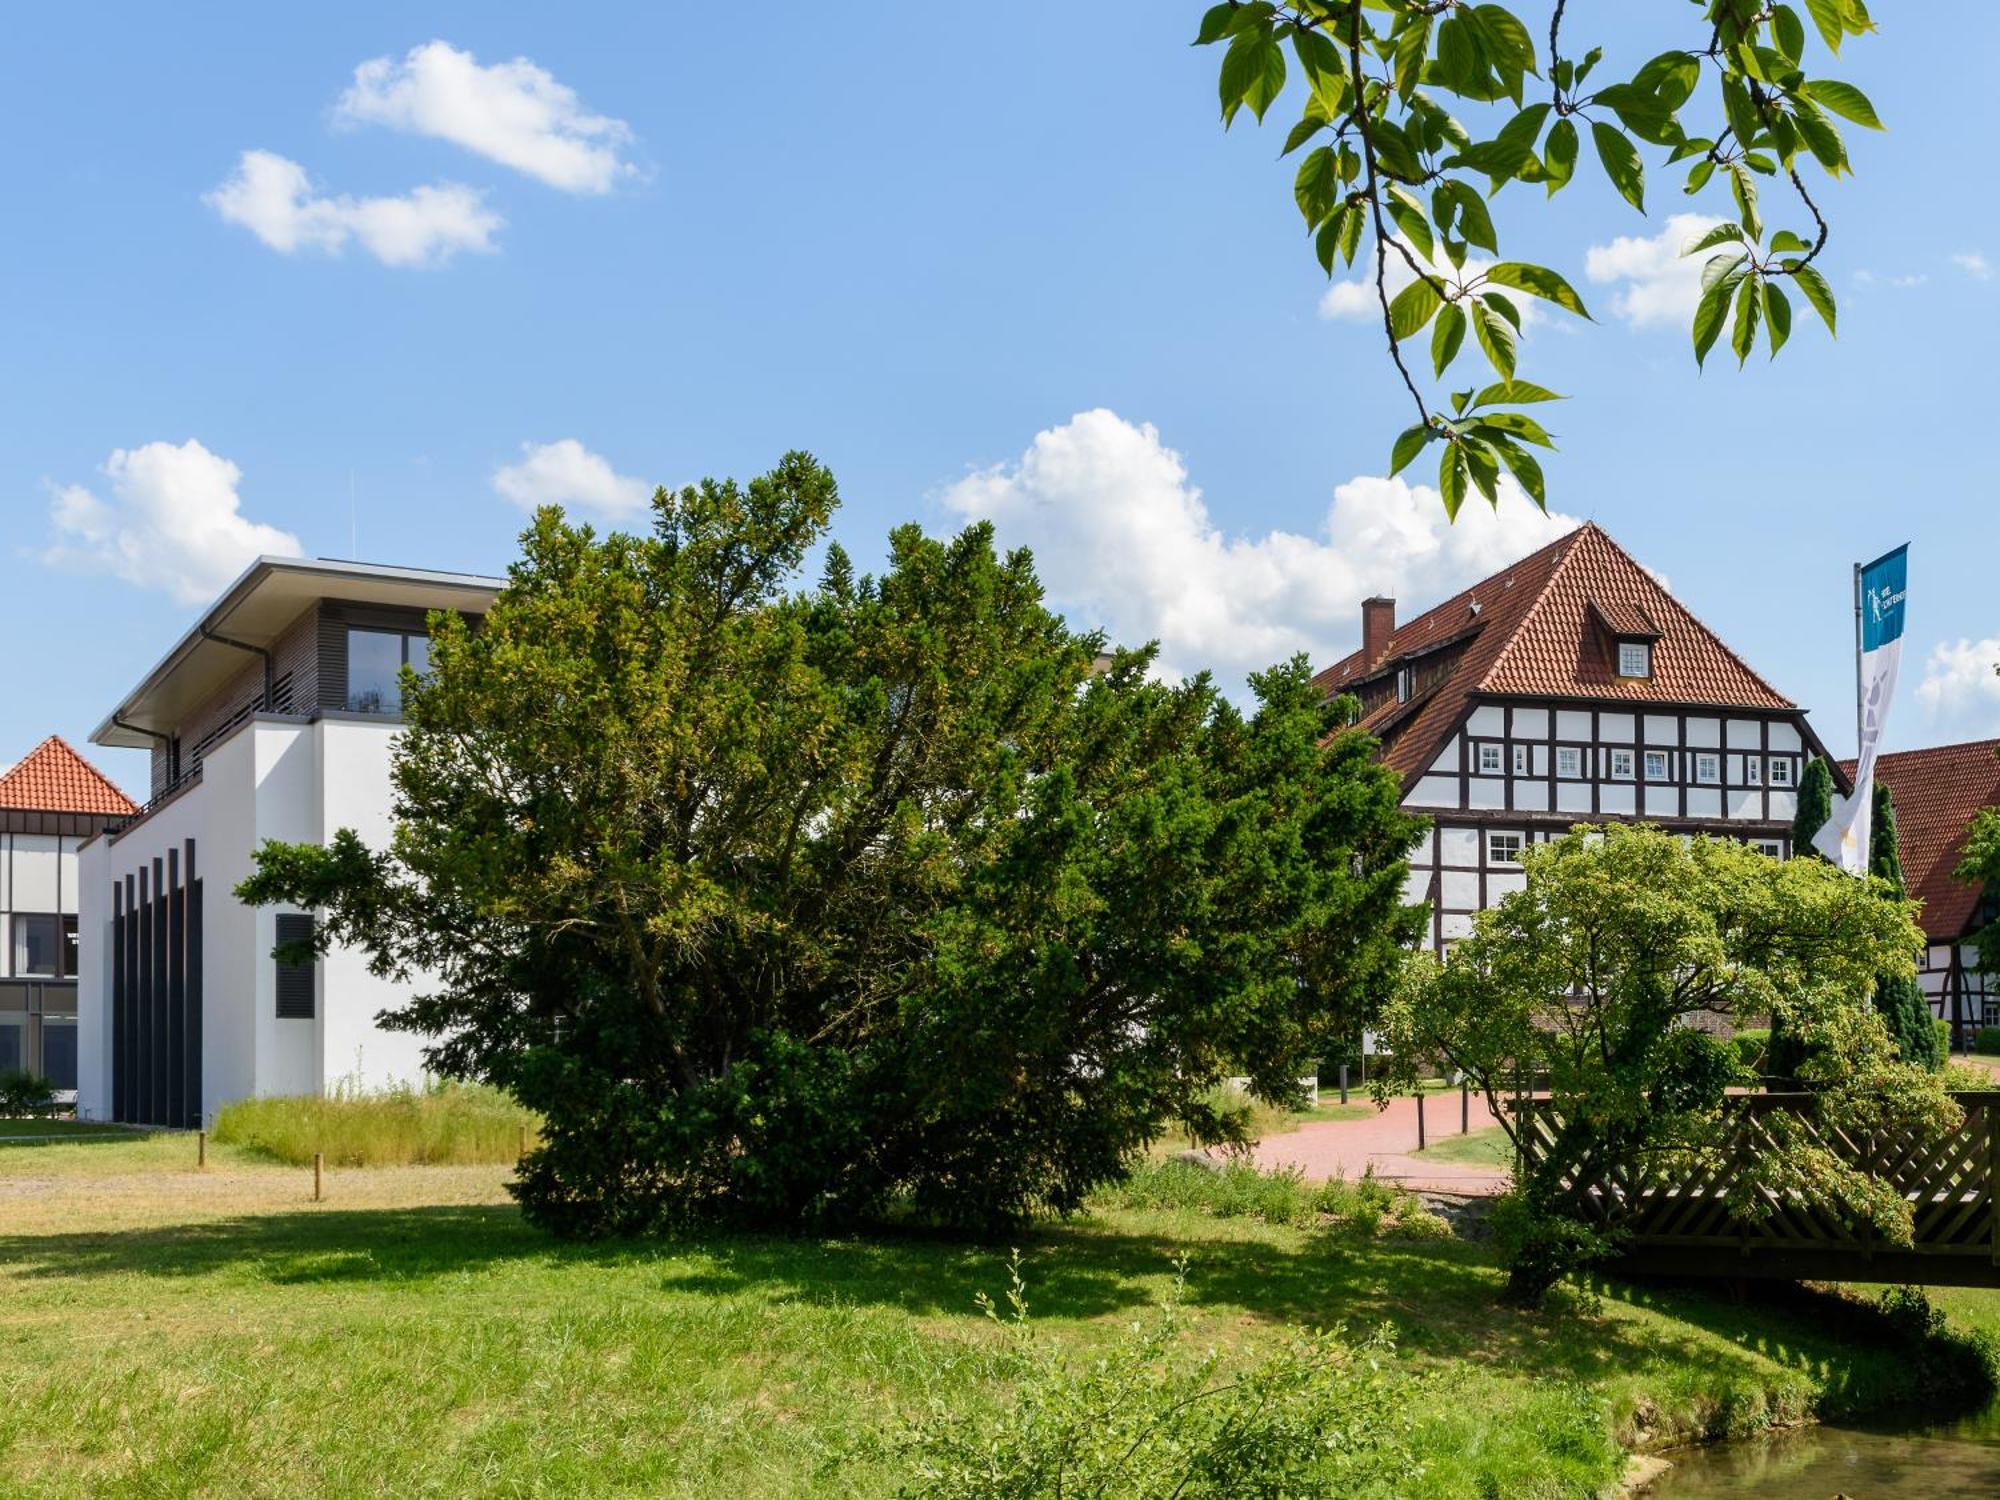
(1621, 765)
(1656, 765)
(1569, 762)
(1403, 685)
(1781, 771)
(1753, 770)
(1503, 848)
(1635, 659)
(1489, 760)
(295, 981)
(1708, 768)
(1772, 847)
(1520, 760)
(39, 948)
(375, 661)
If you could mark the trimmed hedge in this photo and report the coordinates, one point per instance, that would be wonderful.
(1987, 1040)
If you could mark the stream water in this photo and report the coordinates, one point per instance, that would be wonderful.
(1819, 1463)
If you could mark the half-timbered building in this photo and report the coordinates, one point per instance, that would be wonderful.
(1569, 688)
(1938, 791)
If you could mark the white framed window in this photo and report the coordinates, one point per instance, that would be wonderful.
(1656, 765)
(1520, 760)
(1621, 765)
(1772, 847)
(1489, 760)
(1635, 659)
(1569, 762)
(1707, 767)
(1753, 770)
(1503, 848)
(1781, 771)
(1403, 685)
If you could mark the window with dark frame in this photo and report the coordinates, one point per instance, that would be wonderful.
(1656, 765)
(1753, 770)
(1503, 848)
(1489, 760)
(1520, 760)
(1569, 762)
(296, 986)
(1708, 767)
(1781, 771)
(1621, 765)
(39, 946)
(375, 662)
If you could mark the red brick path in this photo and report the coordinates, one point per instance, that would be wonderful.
(1387, 1142)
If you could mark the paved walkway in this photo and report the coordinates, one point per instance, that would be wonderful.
(1387, 1142)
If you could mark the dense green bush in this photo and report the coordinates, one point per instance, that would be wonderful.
(1753, 1045)
(25, 1093)
(1987, 1041)
(445, 1124)
(1152, 1419)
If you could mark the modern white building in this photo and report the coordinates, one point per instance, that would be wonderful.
(50, 802)
(272, 718)
(1569, 688)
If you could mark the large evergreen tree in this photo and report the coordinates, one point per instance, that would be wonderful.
(1898, 995)
(783, 906)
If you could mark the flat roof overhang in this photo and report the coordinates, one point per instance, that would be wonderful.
(255, 610)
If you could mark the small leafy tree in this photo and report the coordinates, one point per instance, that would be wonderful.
(1390, 166)
(1898, 995)
(1587, 982)
(783, 906)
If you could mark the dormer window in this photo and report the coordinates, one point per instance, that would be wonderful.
(1635, 659)
(1403, 685)
(1626, 635)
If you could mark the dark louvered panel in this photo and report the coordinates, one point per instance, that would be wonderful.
(295, 981)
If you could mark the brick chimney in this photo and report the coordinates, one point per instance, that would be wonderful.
(1378, 623)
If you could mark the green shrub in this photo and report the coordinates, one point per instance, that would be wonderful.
(443, 1124)
(25, 1093)
(1753, 1049)
(1987, 1040)
(1149, 1419)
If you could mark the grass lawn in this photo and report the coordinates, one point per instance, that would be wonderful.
(167, 1332)
(1485, 1147)
(38, 1130)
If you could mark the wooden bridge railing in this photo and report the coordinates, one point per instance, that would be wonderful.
(1692, 1228)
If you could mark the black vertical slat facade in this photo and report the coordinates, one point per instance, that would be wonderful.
(156, 993)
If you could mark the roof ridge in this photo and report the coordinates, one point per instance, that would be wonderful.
(1535, 604)
(37, 762)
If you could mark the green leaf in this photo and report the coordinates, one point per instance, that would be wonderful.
(1699, 174)
(1311, 123)
(1412, 307)
(1789, 32)
(1777, 316)
(1784, 239)
(1708, 316)
(1408, 213)
(1538, 281)
(1325, 68)
(1215, 23)
(1527, 470)
(1844, 99)
(1525, 128)
(1447, 336)
(1505, 36)
(1621, 163)
(1718, 266)
(1483, 464)
(1822, 139)
(1253, 73)
(1504, 305)
(1741, 109)
(1411, 47)
(1408, 446)
(1749, 309)
(1451, 479)
(1744, 186)
(1559, 154)
(1519, 425)
(1394, 154)
(1818, 293)
(1827, 17)
(1496, 336)
(1475, 224)
(1318, 187)
(1515, 393)
(1720, 234)
(1350, 234)
(1326, 244)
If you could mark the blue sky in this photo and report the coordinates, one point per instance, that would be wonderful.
(982, 263)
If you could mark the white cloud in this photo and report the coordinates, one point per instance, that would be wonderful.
(1903, 282)
(1358, 301)
(272, 197)
(173, 521)
(1124, 541)
(514, 113)
(567, 473)
(1656, 283)
(1973, 264)
(1960, 691)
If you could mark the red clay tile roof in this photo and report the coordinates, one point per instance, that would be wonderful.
(54, 778)
(1937, 791)
(1527, 631)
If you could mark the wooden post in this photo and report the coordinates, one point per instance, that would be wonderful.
(201, 1150)
(1343, 1083)
(319, 1166)
(524, 1144)
(1464, 1107)
(1420, 1117)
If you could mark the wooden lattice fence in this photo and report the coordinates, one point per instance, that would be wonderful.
(1694, 1226)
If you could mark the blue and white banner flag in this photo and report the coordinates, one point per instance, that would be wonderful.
(1880, 591)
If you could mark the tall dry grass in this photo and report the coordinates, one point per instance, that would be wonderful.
(441, 1124)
